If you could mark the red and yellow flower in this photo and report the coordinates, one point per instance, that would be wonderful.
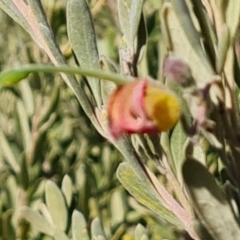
(142, 106)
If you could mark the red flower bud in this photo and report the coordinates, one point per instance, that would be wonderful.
(175, 69)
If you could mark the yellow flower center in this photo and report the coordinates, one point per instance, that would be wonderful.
(162, 107)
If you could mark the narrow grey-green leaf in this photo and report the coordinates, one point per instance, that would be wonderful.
(222, 48)
(60, 235)
(37, 221)
(185, 19)
(97, 230)
(175, 34)
(84, 188)
(209, 202)
(129, 15)
(140, 232)
(24, 124)
(27, 97)
(8, 153)
(118, 207)
(11, 186)
(83, 41)
(67, 189)
(56, 205)
(206, 28)
(79, 226)
(144, 237)
(144, 193)
(124, 7)
(232, 13)
(135, 15)
(177, 140)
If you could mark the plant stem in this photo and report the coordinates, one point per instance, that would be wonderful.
(12, 76)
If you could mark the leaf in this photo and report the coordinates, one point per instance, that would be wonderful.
(36, 220)
(118, 208)
(231, 10)
(179, 31)
(124, 17)
(24, 125)
(12, 189)
(79, 226)
(140, 232)
(27, 97)
(206, 28)
(135, 16)
(144, 193)
(83, 41)
(129, 15)
(222, 48)
(185, 17)
(56, 205)
(210, 204)
(97, 230)
(144, 237)
(67, 189)
(232, 13)
(177, 140)
(84, 187)
(8, 153)
(59, 235)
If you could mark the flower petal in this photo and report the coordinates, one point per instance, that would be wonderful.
(162, 107)
(125, 110)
